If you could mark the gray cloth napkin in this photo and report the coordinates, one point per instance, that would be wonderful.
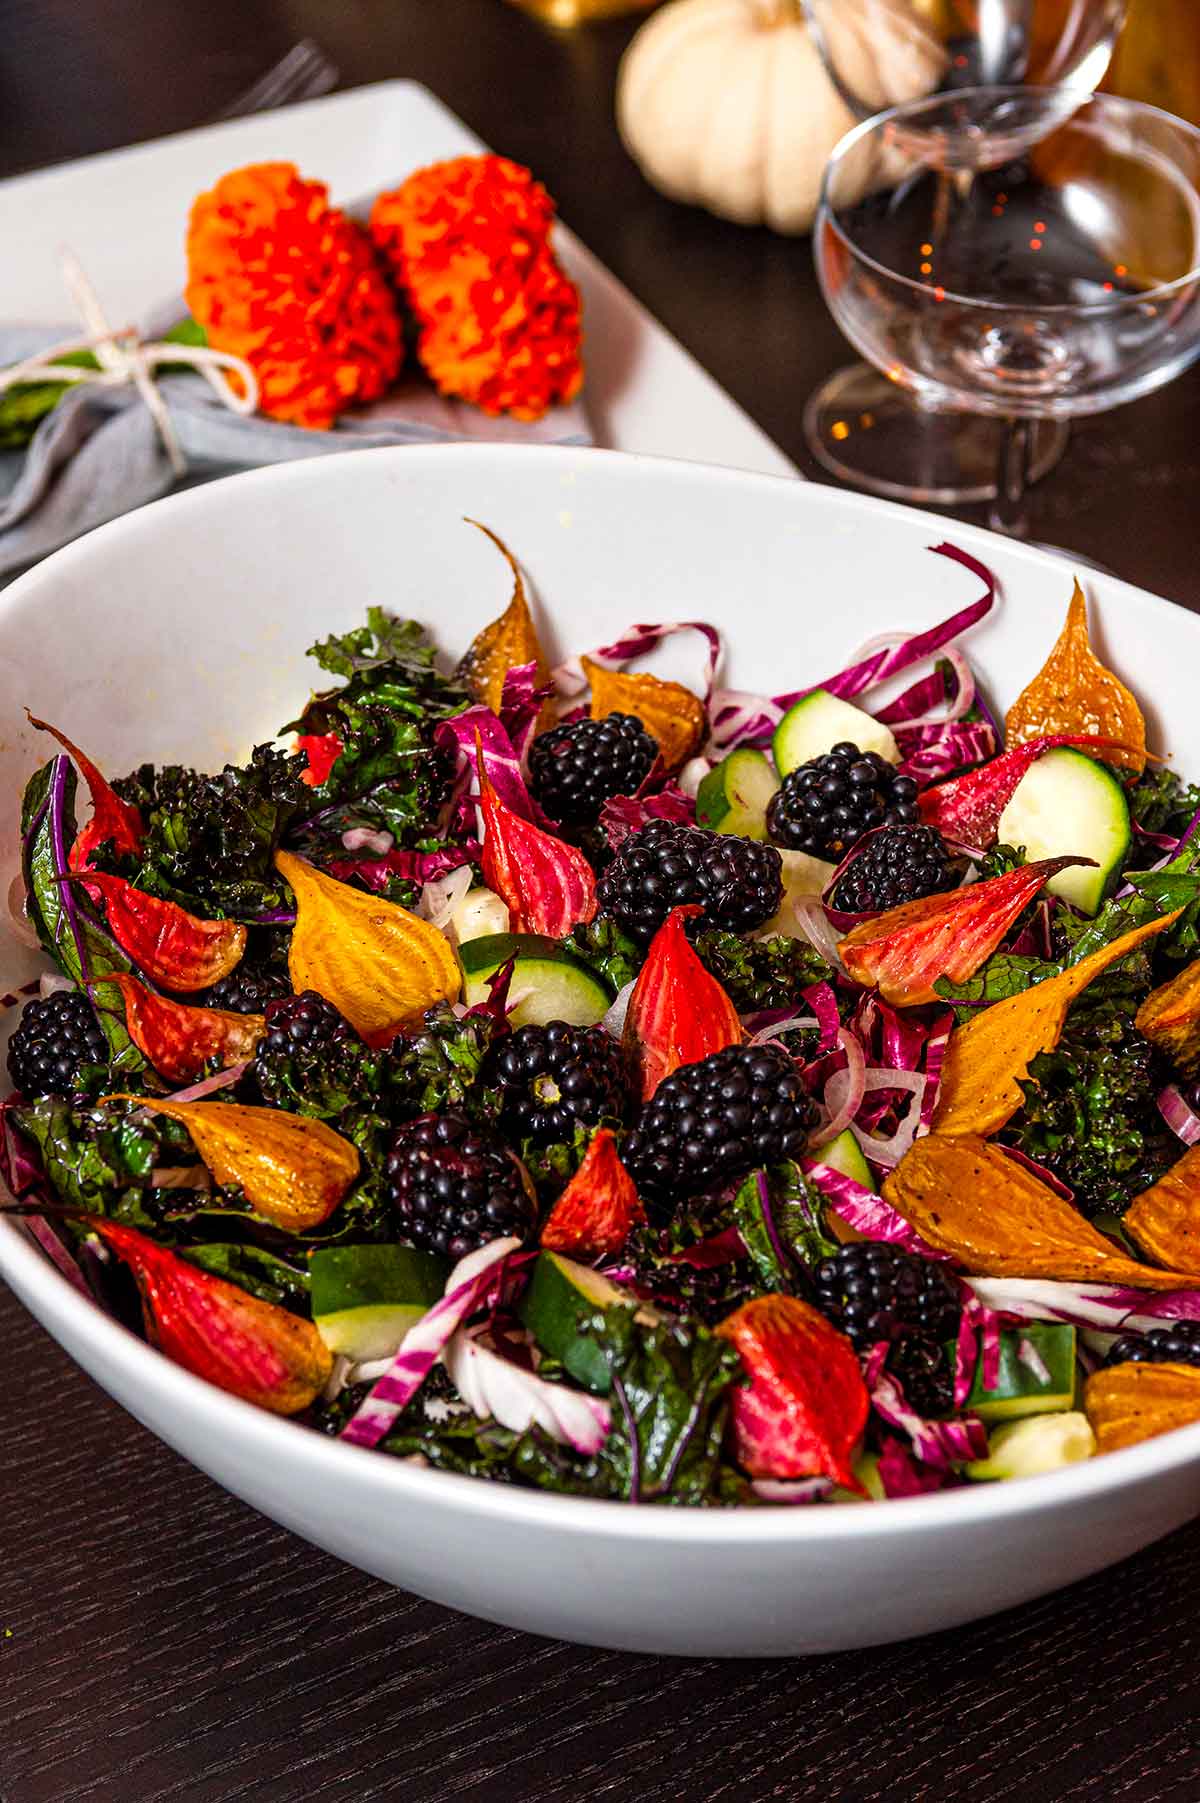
(99, 454)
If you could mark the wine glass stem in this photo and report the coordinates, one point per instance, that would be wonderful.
(1008, 511)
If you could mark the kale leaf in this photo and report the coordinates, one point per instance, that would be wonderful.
(439, 1067)
(608, 950)
(264, 1274)
(100, 1160)
(77, 940)
(211, 840)
(781, 1230)
(1089, 1113)
(1004, 974)
(388, 775)
(761, 973)
(1161, 802)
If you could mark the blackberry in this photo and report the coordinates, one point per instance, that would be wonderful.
(1176, 1343)
(874, 1291)
(247, 990)
(738, 882)
(56, 1036)
(900, 864)
(551, 1078)
(711, 1122)
(455, 1186)
(575, 768)
(303, 1023)
(826, 805)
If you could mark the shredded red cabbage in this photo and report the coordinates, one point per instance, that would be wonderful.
(902, 1475)
(936, 1443)
(1179, 1114)
(520, 705)
(501, 763)
(636, 641)
(867, 1213)
(625, 814)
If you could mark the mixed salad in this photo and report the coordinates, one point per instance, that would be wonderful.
(564, 1077)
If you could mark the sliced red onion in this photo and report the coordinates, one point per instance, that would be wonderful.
(871, 1215)
(52, 982)
(812, 924)
(692, 775)
(1179, 1114)
(845, 1089)
(791, 1490)
(209, 1086)
(790, 1022)
(518, 1399)
(363, 838)
(470, 1283)
(614, 1020)
(57, 1253)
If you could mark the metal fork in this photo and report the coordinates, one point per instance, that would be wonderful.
(300, 75)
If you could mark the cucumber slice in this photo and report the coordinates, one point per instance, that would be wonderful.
(733, 796)
(1018, 1390)
(1039, 1443)
(562, 986)
(844, 1154)
(820, 721)
(1066, 804)
(559, 1301)
(365, 1298)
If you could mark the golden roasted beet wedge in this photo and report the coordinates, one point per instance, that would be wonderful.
(173, 947)
(249, 1347)
(986, 1057)
(1130, 1403)
(671, 714)
(1170, 1019)
(598, 1208)
(805, 1407)
(547, 885)
(1073, 692)
(294, 1170)
(178, 1040)
(904, 951)
(1165, 1219)
(112, 818)
(378, 964)
(678, 1012)
(966, 1198)
(505, 644)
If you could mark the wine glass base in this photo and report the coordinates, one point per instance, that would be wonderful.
(866, 431)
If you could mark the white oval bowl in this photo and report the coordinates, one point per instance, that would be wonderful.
(178, 634)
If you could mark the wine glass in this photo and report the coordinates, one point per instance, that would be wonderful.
(1059, 282)
(884, 53)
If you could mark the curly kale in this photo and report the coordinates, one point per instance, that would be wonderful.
(761, 973)
(650, 1259)
(608, 950)
(1089, 1113)
(1161, 802)
(211, 840)
(439, 1066)
(388, 776)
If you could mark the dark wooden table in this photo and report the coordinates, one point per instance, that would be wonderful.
(158, 1640)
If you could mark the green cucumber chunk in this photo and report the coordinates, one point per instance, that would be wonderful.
(1019, 1389)
(365, 1298)
(561, 986)
(1038, 1443)
(559, 1301)
(818, 722)
(733, 796)
(844, 1154)
(1067, 805)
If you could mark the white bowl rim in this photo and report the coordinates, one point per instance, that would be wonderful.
(136, 1362)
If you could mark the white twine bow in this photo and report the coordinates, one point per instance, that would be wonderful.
(124, 357)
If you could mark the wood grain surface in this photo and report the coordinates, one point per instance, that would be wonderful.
(160, 1642)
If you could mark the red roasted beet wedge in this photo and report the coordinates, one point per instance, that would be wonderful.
(599, 1206)
(903, 952)
(548, 886)
(178, 1040)
(967, 809)
(173, 947)
(111, 818)
(805, 1407)
(246, 1346)
(678, 1013)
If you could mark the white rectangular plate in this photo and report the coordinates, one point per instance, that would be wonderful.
(124, 216)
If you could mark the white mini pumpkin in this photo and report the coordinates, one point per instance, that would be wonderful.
(726, 103)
